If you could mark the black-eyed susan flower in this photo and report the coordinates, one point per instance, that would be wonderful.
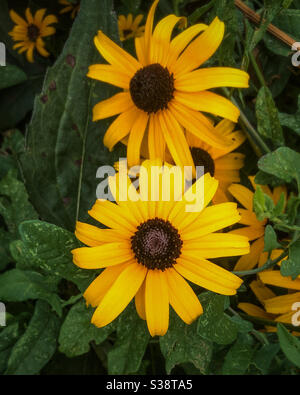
(129, 27)
(73, 8)
(30, 32)
(152, 246)
(164, 89)
(223, 164)
(254, 229)
(274, 308)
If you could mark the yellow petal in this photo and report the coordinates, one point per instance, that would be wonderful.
(175, 140)
(255, 311)
(108, 254)
(116, 104)
(17, 19)
(212, 77)
(273, 277)
(179, 42)
(160, 41)
(120, 294)
(98, 288)
(197, 124)
(120, 128)
(243, 195)
(110, 74)
(201, 49)
(249, 261)
(216, 245)
(93, 236)
(157, 302)
(208, 275)
(182, 298)
(209, 102)
(135, 139)
(113, 216)
(261, 291)
(140, 302)
(115, 55)
(211, 219)
(281, 304)
(148, 32)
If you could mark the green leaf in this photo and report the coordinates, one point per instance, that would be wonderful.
(264, 357)
(5, 258)
(268, 123)
(48, 248)
(19, 285)
(239, 356)
(287, 21)
(132, 339)
(292, 121)
(77, 331)
(283, 163)
(8, 337)
(11, 75)
(291, 266)
(182, 344)
(37, 345)
(64, 146)
(213, 324)
(243, 326)
(14, 204)
(270, 239)
(259, 203)
(289, 344)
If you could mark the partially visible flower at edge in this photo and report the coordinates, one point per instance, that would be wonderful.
(129, 27)
(151, 247)
(275, 308)
(164, 89)
(70, 7)
(254, 229)
(30, 32)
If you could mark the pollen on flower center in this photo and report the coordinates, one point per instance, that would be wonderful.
(33, 32)
(152, 88)
(156, 244)
(203, 158)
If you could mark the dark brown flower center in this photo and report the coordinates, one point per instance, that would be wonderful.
(152, 88)
(33, 32)
(202, 158)
(126, 32)
(156, 244)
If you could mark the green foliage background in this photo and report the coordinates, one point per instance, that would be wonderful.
(50, 151)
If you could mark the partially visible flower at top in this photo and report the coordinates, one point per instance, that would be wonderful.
(30, 32)
(164, 89)
(274, 308)
(223, 164)
(254, 228)
(129, 27)
(70, 7)
(151, 246)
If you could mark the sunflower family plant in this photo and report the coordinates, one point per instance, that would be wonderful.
(149, 188)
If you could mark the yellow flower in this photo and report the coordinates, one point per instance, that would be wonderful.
(223, 164)
(254, 228)
(70, 7)
(164, 89)
(152, 245)
(129, 27)
(30, 32)
(275, 308)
